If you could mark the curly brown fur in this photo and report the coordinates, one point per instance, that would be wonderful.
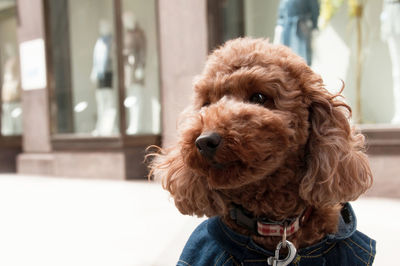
(294, 151)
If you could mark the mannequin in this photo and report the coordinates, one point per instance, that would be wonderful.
(11, 94)
(102, 77)
(296, 25)
(134, 66)
(390, 32)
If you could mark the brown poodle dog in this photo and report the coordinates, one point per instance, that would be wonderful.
(265, 138)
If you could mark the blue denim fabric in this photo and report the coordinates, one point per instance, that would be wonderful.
(213, 243)
(298, 18)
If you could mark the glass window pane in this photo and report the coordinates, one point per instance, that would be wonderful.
(358, 43)
(141, 70)
(10, 84)
(84, 67)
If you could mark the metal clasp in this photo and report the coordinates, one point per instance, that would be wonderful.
(275, 261)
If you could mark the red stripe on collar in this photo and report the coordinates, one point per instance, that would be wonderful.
(277, 229)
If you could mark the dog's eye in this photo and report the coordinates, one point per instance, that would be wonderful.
(258, 98)
(205, 104)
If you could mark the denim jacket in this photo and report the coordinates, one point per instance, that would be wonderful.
(213, 243)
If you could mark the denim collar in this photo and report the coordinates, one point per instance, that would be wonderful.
(243, 247)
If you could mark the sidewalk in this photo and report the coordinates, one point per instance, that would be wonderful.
(50, 221)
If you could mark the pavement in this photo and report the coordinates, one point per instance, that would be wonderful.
(65, 221)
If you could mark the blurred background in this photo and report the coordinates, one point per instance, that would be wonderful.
(86, 86)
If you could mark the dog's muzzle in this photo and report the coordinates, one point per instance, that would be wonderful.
(208, 143)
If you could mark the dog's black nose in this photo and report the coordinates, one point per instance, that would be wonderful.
(208, 143)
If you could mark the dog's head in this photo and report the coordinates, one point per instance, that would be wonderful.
(261, 116)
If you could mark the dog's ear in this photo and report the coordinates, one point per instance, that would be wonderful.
(189, 191)
(337, 169)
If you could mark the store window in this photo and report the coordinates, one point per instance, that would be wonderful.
(353, 41)
(10, 85)
(103, 67)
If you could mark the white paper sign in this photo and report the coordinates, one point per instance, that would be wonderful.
(33, 65)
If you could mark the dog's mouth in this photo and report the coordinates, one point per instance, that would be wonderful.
(236, 163)
(227, 171)
(217, 165)
(214, 164)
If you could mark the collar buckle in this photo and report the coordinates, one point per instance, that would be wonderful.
(239, 215)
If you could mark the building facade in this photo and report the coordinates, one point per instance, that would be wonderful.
(88, 85)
